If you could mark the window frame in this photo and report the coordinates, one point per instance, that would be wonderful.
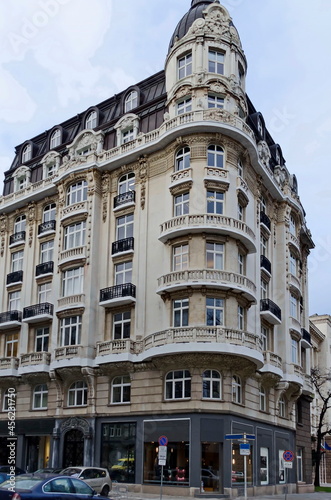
(215, 310)
(215, 202)
(74, 235)
(55, 139)
(14, 300)
(122, 324)
(11, 345)
(46, 251)
(177, 387)
(180, 312)
(27, 153)
(181, 204)
(49, 212)
(185, 69)
(124, 226)
(91, 120)
(209, 382)
(124, 387)
(215, 156)
(78, 390)
(131, 101)
(42, 337)
(20, 224)
(126, 183)
(237, 390)
(44, 292)
(76, 193)
(42, 394)
(184, 106)
(71, 330)
(180, 257)
(122, 271)
(216, 61)
(215, 101)
(73, 281)
(183, 158)
(17, 261)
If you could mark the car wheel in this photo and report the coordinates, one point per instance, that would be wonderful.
(105, 491)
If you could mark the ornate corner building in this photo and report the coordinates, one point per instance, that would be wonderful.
(153, 259)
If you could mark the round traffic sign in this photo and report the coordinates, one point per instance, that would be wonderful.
(163, 440)
(288, 456)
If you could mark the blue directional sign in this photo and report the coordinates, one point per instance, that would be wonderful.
(240, 436)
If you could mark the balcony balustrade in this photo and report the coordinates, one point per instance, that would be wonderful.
(270, 311)
(45, 268)
(125, 245)
(74, 209)
(265, 264)
(10, 319)
(124, 198)
(117, 346)
(46, 227)
(118, 295)
(38, 312)
(17, 238)
(9, 364)
(15, 277)
(35, 358)
(264, 219)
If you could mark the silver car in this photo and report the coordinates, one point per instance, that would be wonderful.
(96, 477)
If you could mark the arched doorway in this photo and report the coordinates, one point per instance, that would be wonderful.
(73, 449)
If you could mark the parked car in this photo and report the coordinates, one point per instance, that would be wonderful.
(6, 469)
(3, 477)
(96, 477)
(49, 470)
(37, 487)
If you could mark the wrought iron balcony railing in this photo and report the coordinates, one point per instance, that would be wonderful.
(9, 316)
(266, 264)
(269, 305)
(17, 237)
(45, 268)
(44, 227)
(306, 335)
(15, 277)
(123, 245)
(121, 199)
(118, 291)
(264, 219)
(38, 310)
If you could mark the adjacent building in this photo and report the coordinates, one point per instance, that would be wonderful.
(153, 260)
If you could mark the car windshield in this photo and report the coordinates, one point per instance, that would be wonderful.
(71, 471)
(22, 483)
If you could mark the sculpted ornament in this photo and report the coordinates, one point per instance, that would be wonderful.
(264, 153)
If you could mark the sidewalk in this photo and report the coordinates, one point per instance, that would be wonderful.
(290, 496)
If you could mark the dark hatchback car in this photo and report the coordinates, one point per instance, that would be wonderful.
(37, 487)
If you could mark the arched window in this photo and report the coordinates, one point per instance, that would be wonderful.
(77, 192)
(55, 138)
(49, 212)
(77, 394)
(263, 398)
(211, 384)
(126, 183)
(91, 120)
(236, 389)
(40, 397)
(183, 158)
(131, 101)
(121, 389)
(215, 156)
(26, 153)
(240, 169)
(178, 385)
(20, 224)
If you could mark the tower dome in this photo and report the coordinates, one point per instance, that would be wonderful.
(195, 12)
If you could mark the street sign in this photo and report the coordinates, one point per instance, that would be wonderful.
(288, 465)
(240, 436)
(163, 452)
(163, 440)
(244, 449)
(288, 456)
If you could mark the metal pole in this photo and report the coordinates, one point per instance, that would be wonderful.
(286, 479)
(245, 477)
(161, 482)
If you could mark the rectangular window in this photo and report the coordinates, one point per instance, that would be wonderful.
(74, 235)
(264, 289)
(215, 202)
(241, 212)
(263, 246)
(11, 347)
(281, 467)
(181, 204)
(70, 330)
(264, 465)
(14, 301)
(293, 264)
(185, 66)
(121, 325)
(265, 338)
(299, 458)
(73, 281)
(241, 318)
(216, 62)
(180, 257)
(123, 273)
(46, 251)
(180, 312)
(118, 450)
(215, 101)
(127, 136)
(17, 261)
(293, 307)
(241, 263)
(214, 311)
(45, 292)
(294, 351)
(42, 339)
(215, 255)
(184, 106)
(292, 226)
(124, 227)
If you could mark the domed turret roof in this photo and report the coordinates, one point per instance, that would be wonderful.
(195, 12)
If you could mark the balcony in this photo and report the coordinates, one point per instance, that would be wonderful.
(8, 367)
(128, 198)
(208, 223)
(38, 313)
(80, 208)
(72, 355)
(272, 364)
(10, 319)
(45, 268)
(117, 347)
(17, 238)
(181, 176)
(72, 254)
(125, 245)
(118, 295)
(34, 362)
(14, 278)
(270, 312)
(222, 280)
(264, 219)
(46, 227)
(306, 338)
(71, 301)
(265, 264)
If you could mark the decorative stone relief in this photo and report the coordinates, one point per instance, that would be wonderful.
(31, 220)
(143, 175)
(3, 230)
(76, 423)
(264, 153)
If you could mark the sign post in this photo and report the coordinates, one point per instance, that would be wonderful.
(244, 449)
(162, 457)
(288, 457)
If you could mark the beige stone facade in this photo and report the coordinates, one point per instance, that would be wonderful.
(154, 281)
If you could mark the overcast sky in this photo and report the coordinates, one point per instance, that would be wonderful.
(58, 57)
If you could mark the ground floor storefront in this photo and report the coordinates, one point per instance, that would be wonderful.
(198, 454)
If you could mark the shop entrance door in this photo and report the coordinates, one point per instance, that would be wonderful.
(73, 450)
(210, 467)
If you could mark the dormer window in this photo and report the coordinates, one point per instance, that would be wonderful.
(91, 120)
(127, 136)
(27, 153)
(55, 139)
(260, 127)
(185, 66)
(127, 128)
(216, 62)
(184, 106)
(21, 178)
(131, 101)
